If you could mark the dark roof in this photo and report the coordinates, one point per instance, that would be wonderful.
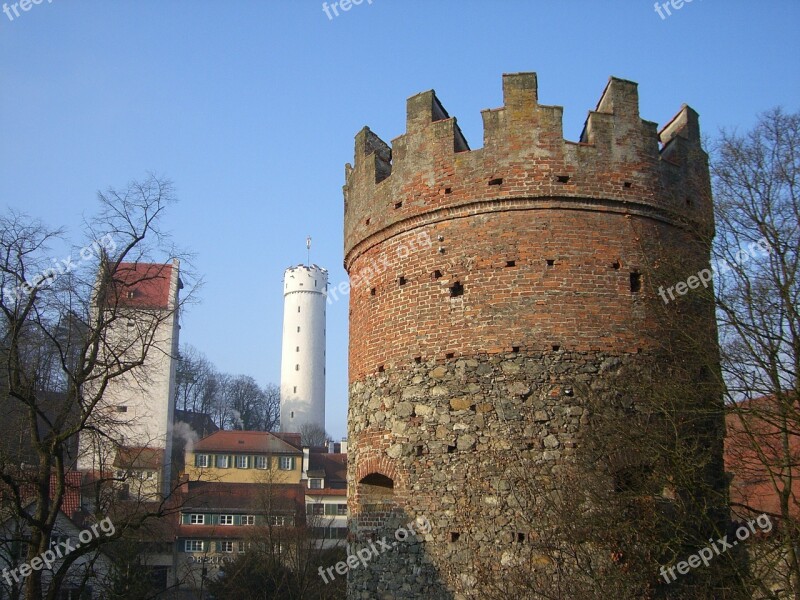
(201, 423)
(331, 466)
(243, 497)
(139, 458)
(257, 442)
(292, 438)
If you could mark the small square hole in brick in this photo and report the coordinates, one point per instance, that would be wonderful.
(366, 222)
(627, 185)
(556, 347)
(563, 178)
(551, 262)
(381, 369)
(418, 450)
(372, 291)
(515, 349)
(418, 359)
(398, 204)
(636, 282)
(615, 265)
(497, 181)
(437, 274)
(450, 355)
(456, 290)
(520, 537)
(451, 449)
(401, 280)
(448, 190)
(454, 536)
(511, 263)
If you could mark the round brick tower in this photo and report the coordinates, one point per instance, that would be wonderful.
(487, 286)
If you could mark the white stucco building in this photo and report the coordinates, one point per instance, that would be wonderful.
(136, 411)
(303, 355)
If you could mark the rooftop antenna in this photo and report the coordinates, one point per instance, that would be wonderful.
(308, 248)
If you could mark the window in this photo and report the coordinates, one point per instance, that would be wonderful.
(298, 309)
(223, 461)
(242, 547)
(248, 519)
(295, 389)
(315, 509)
(243, 462)
(122, 408)
(201, 460)
(298, 329)
(278, 521)
(197, 519)
(341, 509)
(226, 519)
(297, 367)
(193, 546)
(287, 463)
(225, 546)
(262, 462)
(315, 484)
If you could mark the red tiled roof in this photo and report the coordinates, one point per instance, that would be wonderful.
(753, 455)
(141, 285)
(244, 442)
(71, 500)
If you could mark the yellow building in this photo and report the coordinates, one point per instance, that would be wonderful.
(246, 457)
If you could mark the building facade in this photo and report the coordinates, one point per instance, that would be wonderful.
(137, 410)
(482, 349)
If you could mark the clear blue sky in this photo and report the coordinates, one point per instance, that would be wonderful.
(251, 108)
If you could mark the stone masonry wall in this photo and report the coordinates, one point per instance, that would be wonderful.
(537, 282)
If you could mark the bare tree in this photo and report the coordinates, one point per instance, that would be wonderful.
(194, 381)
(313, 435)
(61, 355)
(756, 179)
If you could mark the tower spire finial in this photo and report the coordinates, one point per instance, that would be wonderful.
(308, 248)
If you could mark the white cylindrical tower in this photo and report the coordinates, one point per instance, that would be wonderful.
(305, 290)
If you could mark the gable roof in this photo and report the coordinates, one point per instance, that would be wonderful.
(331, 466)
(255, 442)
(141, 285)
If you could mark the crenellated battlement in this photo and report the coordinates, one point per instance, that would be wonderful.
(622, 163)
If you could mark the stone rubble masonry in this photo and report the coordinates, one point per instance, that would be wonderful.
(535, 281)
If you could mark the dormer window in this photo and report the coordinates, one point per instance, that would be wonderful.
(315, 484)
